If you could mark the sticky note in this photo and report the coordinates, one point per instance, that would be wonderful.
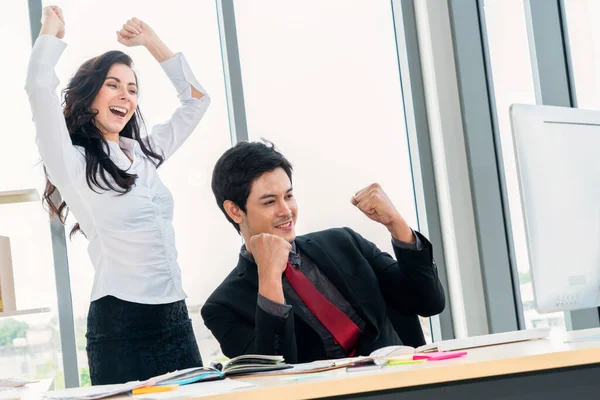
(402, 362)
(440, 355)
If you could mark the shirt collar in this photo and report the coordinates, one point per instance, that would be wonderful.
(132, 145)
(116, 152)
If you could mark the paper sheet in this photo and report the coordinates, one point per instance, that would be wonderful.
(92, 392)
(30, 391)
(10, 394)
(14, 382)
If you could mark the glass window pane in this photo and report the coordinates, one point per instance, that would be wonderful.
(513, 83)
(321, 81)
(29, 345)
(584, 37)
(20, 169)
(203, 236)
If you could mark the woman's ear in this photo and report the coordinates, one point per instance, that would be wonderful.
(234, 212)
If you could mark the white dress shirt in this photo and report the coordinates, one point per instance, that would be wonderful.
(131, 236)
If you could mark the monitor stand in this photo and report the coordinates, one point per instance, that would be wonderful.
(582, 335)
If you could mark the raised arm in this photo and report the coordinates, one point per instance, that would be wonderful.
(410, 284)
(169, 136)
(62, 160)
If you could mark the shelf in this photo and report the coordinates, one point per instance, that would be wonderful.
(18, 313)
(19, 196)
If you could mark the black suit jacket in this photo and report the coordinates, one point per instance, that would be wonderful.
(368, 278)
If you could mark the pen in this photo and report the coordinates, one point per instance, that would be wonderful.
(154, 389)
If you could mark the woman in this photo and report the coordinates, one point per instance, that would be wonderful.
(94, 152)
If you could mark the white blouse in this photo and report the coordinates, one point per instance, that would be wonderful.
(131, 236)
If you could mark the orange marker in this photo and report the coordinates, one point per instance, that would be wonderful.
(154, 389)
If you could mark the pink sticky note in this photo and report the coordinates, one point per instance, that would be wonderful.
(440, 355)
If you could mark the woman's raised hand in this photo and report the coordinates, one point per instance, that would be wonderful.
(53, 22)
(135, 33)
(138, 33)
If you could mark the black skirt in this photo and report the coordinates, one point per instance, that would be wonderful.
(130, 341)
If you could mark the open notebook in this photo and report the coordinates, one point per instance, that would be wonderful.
(378, 356)
(246, 364)
(241, 365)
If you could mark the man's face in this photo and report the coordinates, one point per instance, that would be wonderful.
(271, 207)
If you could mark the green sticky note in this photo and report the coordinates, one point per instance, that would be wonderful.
(401, 362)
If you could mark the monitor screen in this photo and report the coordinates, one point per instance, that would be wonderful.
(557, 151)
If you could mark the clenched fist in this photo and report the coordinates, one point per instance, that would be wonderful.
(271, 254)
(53, 22)
(376, 205)
(135, 33)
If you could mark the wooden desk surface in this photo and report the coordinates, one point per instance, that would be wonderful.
(484, 362)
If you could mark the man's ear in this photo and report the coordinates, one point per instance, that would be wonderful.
(234, 212)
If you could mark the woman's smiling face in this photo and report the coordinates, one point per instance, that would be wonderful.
(116, 101)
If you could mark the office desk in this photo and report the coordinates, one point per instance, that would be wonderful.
(541, 369)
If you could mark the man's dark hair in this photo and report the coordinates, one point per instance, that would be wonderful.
(239, 167)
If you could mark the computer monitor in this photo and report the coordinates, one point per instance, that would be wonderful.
(557, 152)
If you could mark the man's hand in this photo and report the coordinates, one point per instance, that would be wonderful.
(376, 205)
(53, 22)
(271, 254)
(135, 33)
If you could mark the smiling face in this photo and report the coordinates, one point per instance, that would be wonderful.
(116, 101)
(271, 207)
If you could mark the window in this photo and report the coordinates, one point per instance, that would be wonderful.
(513, 83)
(204, 237)
(321, 81)
(584, 42)
(29, 345)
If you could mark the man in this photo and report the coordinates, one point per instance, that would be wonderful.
(319, 296)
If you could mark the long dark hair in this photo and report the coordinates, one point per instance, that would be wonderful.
(102, 174)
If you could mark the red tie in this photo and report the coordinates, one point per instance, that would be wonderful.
(344, 331)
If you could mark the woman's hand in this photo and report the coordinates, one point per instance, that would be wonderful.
(53, 22)
(138, 33)
(135, 33)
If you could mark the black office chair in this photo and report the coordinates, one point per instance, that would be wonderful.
(408, 328)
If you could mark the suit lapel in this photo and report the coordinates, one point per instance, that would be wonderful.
(247, 270)
(333, 272)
